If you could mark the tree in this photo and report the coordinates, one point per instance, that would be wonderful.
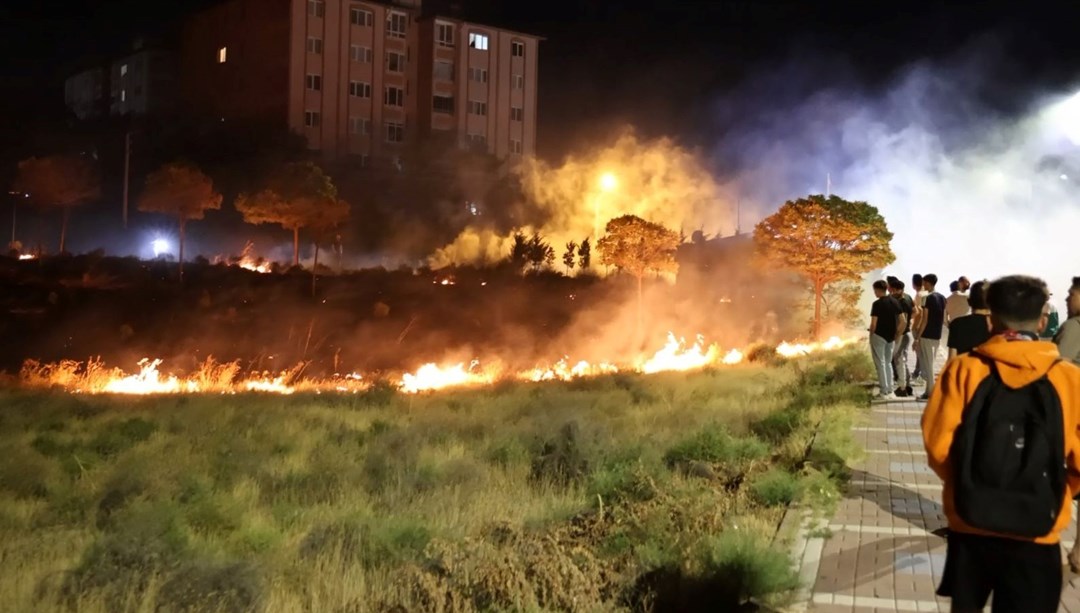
(570, 256)
(636, 246)
(585, 255)
(181, 191)
(826, 240)
(59, 181)
(541, 254)
(326, 227)
(519, 253)
(293, 199)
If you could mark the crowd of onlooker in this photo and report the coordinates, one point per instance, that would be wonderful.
(1001, 426)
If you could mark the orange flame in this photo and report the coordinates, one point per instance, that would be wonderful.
(430, 376)
(675, 356)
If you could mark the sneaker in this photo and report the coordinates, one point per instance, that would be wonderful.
(879, 397)
(900, 392)
(918, 381)
(924, 397)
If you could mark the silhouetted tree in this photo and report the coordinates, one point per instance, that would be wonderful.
(519, 253)
(180, 191)
(59, 181)
(293, 198)
(570, 256)
(326, 228)
(541, 254)
(636, 246)
(584, 255)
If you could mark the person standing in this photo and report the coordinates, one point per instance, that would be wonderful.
(1067, 338)
(970, 331)
(1053, 322)
(903, 342)
(928, 336)
(1001, 431)
(965, 285)
(917, 312)
(884, 324)
(956, 305)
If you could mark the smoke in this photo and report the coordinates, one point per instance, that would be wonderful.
(656, 180)
(971, 179)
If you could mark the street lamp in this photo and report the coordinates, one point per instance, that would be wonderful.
(608, 183)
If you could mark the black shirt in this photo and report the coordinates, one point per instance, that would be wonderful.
(968, 332)
(935, 316)
(907, 307)
(887, 310)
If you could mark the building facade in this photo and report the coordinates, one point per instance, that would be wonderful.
(363, 79)
(142, 82)
(85, 93)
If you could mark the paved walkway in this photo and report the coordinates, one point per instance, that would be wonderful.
(882, 551)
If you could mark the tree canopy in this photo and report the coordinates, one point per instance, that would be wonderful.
(296, 197)
(59, 181)
(180, 191)
(636, 246)
(825, 240)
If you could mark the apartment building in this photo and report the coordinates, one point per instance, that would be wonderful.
(363, 79)
(139, 82)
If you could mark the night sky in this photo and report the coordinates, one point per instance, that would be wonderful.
(657, 65)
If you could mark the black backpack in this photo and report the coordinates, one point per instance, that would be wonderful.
(1008, 457)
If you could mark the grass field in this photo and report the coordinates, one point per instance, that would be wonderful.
(614, 493)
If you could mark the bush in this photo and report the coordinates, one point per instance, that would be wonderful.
(744, 566)
(715, 445)
(116, 437)
(776, 488)
(777, 426)
(625, 482)
(370, 542)
(24, 473)
(205, 586)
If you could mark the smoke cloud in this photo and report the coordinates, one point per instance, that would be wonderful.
(656, 180)
(967, 187)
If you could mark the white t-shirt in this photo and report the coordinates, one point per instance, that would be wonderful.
(956, 305)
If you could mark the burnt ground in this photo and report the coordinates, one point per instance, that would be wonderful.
(123, 309)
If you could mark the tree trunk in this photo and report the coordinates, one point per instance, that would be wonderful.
(183, 222)
(63, 226)
(296, 246)
(315, 269)
(819, 290)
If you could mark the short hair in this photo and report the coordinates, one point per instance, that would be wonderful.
(963, 278)
(889, 279)
(895, 283)
(1075, 283)
(930, 278)
(1018, 301)
(977, 296)
(954, 286)
(916, 278)
(881, 285)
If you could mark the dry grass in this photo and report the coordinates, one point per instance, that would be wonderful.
(588, 496)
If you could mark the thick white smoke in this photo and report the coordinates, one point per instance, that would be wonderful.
(965, 189)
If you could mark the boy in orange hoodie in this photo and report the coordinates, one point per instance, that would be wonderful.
(995, 487)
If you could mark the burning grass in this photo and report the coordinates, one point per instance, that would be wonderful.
(619, 492)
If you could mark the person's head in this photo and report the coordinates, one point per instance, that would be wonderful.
(1072, 301)
(954, 286)
(896, 286)
(880, 287)
(916, 282)
(929, 282)
(1018, 302)
(965, 285)
(977, 296)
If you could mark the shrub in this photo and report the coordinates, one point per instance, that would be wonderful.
(777, 426)
(25, 473)
(205, 586)
(714, 444)
(743, 565)
(561, 460)
(775, 488)
(116, 437)
(507, 453)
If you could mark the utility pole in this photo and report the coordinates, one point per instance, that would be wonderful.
(127, 173)
(828, 185)
(738, 217)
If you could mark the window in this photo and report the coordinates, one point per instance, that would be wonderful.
(395, 62)
(123, 95)
(395, 132)
(360, 17)
(475, 140)
(314, 45)
(443, 104)
(360, 54)
(477, 108)
(359, 125)
(222, 55)
(519, 81)
(444, 71)
(123, 70)
(478, 74)
(395, 96)
(395, 25)
(444, 34)
(359, 89)
(316, 8)
(312, 119)
(515, 146)
(517, 49)
(517, 114)
(478, 41)
(314, 82)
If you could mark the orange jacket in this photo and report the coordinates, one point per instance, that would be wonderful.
(1018, 363)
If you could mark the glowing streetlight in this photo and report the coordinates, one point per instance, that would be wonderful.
(608, 183)
(159, 246)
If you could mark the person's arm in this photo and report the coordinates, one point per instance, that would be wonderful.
(901, 325)
(952, 353)
(1068, 342)
(942, 416)
(873, 324)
